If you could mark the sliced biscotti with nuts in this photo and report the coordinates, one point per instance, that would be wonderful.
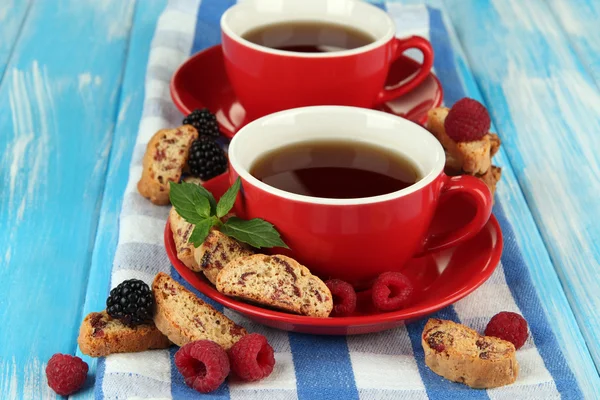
(473, 157)
(184, 318)
(460, 354)
(101, 335)
(217, 251)
(277, 281)
(166, 157)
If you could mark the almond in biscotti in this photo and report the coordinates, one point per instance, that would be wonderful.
(166, 157)
(101, 335)
(460, 354)
(216, 251)
(276, 281)
(184, 318)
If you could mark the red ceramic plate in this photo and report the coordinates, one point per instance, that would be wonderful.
(202, 82)
(439, 280)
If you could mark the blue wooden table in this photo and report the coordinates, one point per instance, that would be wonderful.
(71, 91)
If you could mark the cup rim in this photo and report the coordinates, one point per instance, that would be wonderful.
(390, 33)
(428, 178)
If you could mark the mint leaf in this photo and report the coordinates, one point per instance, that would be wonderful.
(227, 201)
(201, 231)
(256, 232)
(190, 201)
(203, 207)
(210, 197)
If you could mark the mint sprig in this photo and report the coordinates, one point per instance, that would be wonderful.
(197, 206)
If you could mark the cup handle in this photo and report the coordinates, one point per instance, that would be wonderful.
(399, 46)
(480, 194)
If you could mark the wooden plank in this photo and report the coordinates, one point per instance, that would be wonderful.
(130, 111)
(59, 94)
(580, 20)
(545, 106)
(12, 16)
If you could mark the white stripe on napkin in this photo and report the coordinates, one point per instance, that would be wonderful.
(142, 229)
(148, 374)
(385, 361)
(152, 364)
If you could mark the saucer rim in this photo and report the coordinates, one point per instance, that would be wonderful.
(228, 134)
(254, 311)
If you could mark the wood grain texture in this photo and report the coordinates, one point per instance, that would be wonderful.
(59, 100)
(12, 16)
(580, 20)
(127, 123)
(545, 106)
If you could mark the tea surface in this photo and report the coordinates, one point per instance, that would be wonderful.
(335, 169)
(308, 37)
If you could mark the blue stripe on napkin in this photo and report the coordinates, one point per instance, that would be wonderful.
(208, 27)
(323, 367)
(525, 295)
(443, 60)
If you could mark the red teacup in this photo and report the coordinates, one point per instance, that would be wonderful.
(354, 239)
(267, 80)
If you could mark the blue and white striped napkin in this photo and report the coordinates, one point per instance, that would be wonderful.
(386, 365)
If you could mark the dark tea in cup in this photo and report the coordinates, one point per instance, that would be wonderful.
(336, 169)
(309, 36)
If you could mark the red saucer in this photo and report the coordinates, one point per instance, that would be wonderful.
(202, 82)
(439, 280)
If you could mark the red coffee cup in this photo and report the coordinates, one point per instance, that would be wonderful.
(354, 239)
(267, 80)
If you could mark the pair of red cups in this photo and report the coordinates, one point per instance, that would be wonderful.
(328, 96)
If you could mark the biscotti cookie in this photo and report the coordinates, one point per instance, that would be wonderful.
(276, 281)
(473, 157)
(217, 250)
(460, 354)
(184, 318)
(166, 157)
(491, 178)
(101, 335)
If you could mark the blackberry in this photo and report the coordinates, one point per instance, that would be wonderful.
(132, 302)
(207, 159)
(204, 121)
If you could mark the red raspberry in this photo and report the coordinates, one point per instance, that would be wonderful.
(66, 374)
(203, 364)
(252, 358)
(344, 297)
(391, 291)
(468, 120)
(508, 326)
